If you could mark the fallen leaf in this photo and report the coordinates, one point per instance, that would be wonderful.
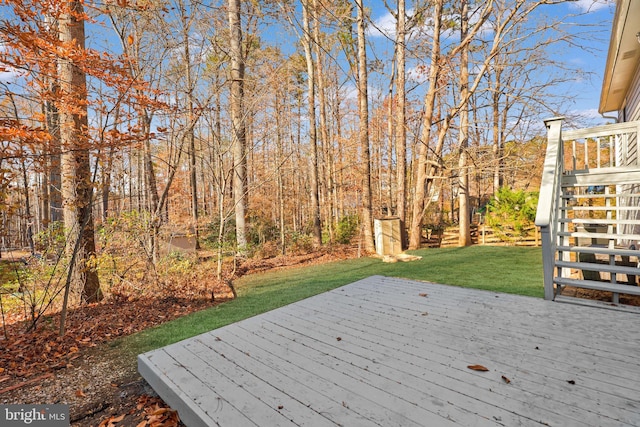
(142, 424)
(280, 406)
(423, 295)
(338, 339)
(80, 393)
(425, 314)
(478, 368)
(506, 380)
(117, 419)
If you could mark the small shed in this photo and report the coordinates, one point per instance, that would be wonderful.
(388, 236)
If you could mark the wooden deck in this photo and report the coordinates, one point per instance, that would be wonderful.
(391, 352)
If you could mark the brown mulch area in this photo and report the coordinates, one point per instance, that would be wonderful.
(84, 370)
(603, 296)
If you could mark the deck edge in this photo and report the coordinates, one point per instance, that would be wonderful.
(190, 415)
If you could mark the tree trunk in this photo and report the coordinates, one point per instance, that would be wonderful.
(464, 214)
(27, 207)
(401, 126)
(497, 141)
(105, 184)
(153, 205)
(363, 134)
(324, 127)
(76, 177)
(191, 129)
(427, 118)
(279, 178)
(313, 133)
(238, 124)
(53, 190)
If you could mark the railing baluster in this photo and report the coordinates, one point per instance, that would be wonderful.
(598, 152)
(611, 152)
(586, 153)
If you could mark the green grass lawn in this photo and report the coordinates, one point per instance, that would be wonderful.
(515, 270)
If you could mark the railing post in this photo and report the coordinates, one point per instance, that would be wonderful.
(547, 205)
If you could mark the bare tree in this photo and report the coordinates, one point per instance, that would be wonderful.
(76, 177)
(239, 131)
(422, 171)
(363, 133)
(464, 216)
(401, 129)
(191, 119)
(307, 16)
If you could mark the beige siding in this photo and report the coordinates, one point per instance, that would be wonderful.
(633, 99)
(631, 113)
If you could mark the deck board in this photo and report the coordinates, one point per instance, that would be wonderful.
(392, 352)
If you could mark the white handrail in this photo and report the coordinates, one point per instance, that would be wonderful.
(599, 131)
(550, 172)
(549, 187)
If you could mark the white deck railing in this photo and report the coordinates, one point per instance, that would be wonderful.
(608, 146)
(582, 158)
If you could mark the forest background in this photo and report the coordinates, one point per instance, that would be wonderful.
(262, 129)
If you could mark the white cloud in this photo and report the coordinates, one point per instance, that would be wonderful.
(591, 5)
(384, 26)
(9, 74)
(349, 93)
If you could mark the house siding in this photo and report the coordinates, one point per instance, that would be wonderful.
(631, 112)
(632, 108)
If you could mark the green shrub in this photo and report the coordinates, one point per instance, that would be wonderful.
(512, 213)
(347, 228)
